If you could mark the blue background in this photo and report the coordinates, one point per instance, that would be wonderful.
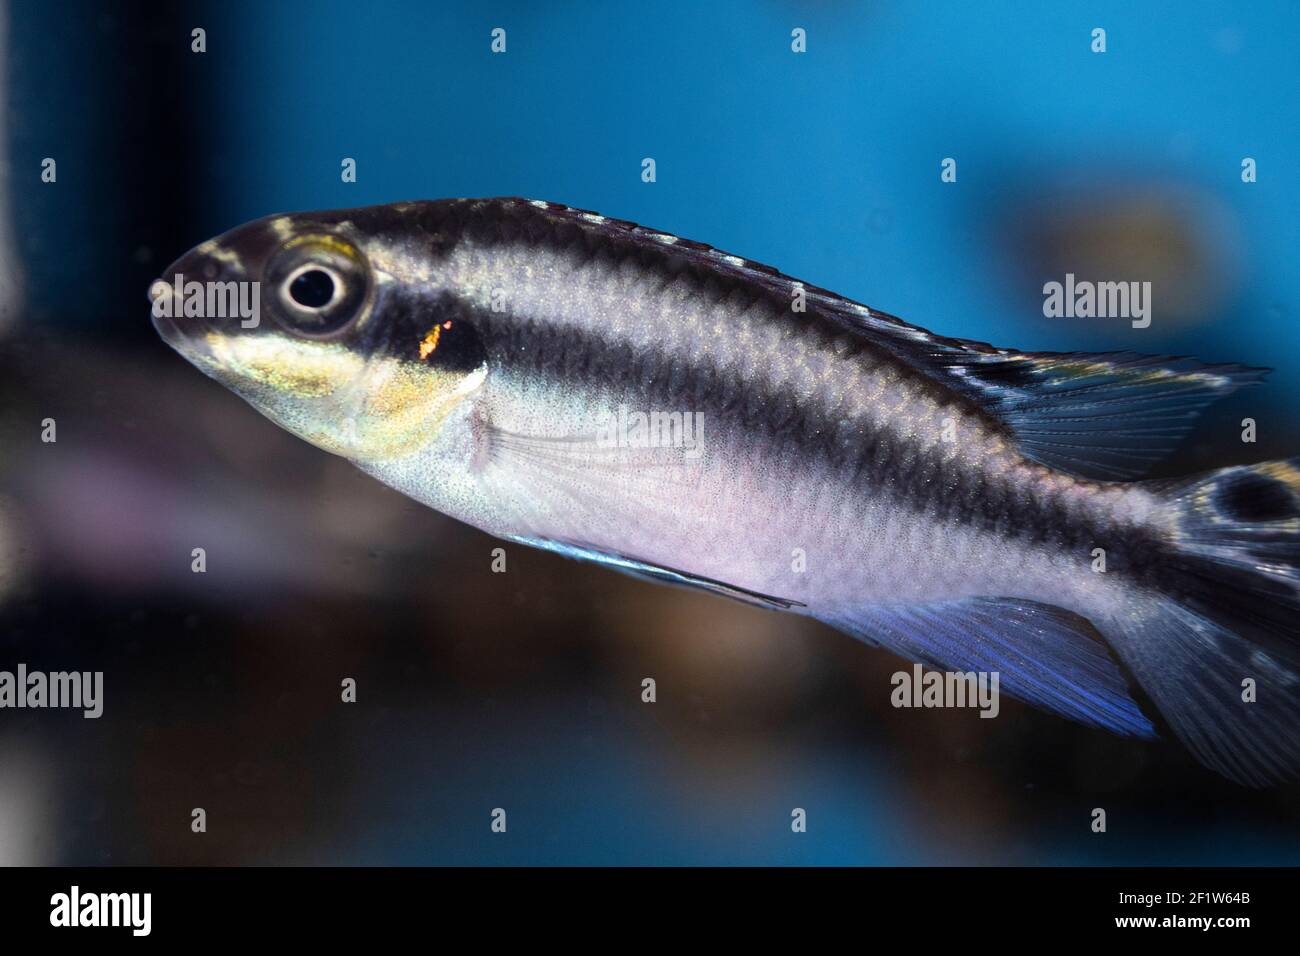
(824, 164)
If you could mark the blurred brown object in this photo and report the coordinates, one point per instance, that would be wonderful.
(1177, 238)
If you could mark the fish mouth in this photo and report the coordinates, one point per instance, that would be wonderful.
(188, 334)
(189, 337)
(164, 325)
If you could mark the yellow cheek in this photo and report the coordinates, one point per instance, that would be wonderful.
(358, 407)
(301, 368)
(401, 387)
(406, 404)
(304, 383)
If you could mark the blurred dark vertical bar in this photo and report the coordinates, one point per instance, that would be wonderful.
(111, 92)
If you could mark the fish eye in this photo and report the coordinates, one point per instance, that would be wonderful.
(319, 285)
(312, 287)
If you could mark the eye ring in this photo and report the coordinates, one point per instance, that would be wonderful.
(319, 286)
(296, 278)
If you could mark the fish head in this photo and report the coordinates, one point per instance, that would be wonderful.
(333, 325)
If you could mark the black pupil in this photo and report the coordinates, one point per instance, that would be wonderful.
(313, 289)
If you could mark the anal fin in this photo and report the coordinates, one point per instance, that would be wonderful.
(1043, 655)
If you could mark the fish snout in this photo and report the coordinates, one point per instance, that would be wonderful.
(205, 291)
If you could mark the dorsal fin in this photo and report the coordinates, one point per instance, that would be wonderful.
(1107, 415)
(1098, 415)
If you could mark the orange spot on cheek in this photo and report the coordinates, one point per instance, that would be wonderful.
(430, 341)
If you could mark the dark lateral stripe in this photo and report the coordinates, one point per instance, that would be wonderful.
(490, 223)
(875, 460)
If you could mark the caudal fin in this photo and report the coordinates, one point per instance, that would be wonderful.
(1217, 645)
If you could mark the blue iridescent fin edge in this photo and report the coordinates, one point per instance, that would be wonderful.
(656, 573)
(1044, 656)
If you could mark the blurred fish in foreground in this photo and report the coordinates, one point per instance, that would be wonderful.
(951, 498)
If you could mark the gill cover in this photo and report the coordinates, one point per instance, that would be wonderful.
(361, 364)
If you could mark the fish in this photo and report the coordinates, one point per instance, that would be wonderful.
(619, 395)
